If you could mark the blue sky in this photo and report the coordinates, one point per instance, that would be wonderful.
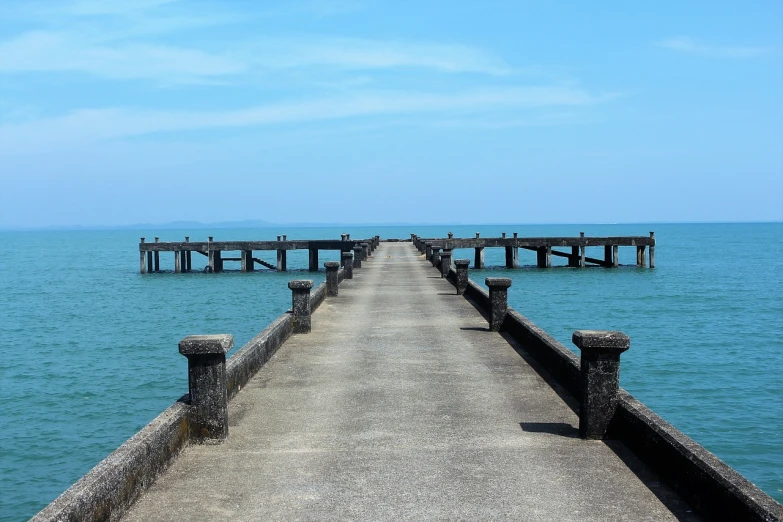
(358, 111)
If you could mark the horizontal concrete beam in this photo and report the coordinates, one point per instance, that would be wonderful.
(303, 244)
(535, 242)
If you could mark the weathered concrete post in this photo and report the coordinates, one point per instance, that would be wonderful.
(281, 258)
(313, 260)
(581, 252)
(300, 292)
(357, 256)
(347, 259)
(247, 261)
(183, 261)
(435, 256)
(600, 378)
(573, 259)
(478, 234)
(498, 301)
(331, 277)
(142, 264)
(157, 257)
(445, 262)
(188, 257)
(608, 255)
(462, 275)
(149, 262)
(503, 235)
(428, 251)
(652, 251)
(451, 235)
(615, 256)
(512, 257)
(208, 421)
(365, 251)
(177, 263)
(641, 258)
(347, 237)
(342, 237)
(478, 261)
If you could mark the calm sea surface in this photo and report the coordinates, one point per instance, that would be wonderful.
(90, 345)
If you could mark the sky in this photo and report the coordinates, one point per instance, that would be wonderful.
(361, 111)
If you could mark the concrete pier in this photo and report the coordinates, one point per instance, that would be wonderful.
(400, 404)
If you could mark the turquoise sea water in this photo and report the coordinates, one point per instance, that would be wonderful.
(90, 345)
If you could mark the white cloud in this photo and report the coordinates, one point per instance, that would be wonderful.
(95, 125)
(690, 46)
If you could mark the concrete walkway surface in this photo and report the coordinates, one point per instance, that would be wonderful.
(400, 404)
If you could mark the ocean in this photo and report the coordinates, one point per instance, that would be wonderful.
(90, 345)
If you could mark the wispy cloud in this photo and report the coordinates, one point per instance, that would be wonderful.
(688, 45)
(95, 125)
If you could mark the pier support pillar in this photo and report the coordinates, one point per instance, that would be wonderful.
(652, 251)
(498, 301)
(548, 257)
(641, 258)
(600, 364)
(313, 267)
(347, 259)
(156, 261)
(215, 261)
(208, 418)
(357, 256)
(478, 261)
(608, 255)
(365, 251)
(177, 264)
(248, 265)
(573, 260)
(183, 261)
(188, 261)
(300, 292)
(462, 274)
(331, 278)
(428, 251)
(615, 256)
(150, 266)
(512, 257)
(445, 262)
(142, 263)
(281, 260)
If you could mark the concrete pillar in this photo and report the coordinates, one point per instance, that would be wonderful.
(477, 235)
(451, 235)
(641, 258)
(503, 235)
(347, 259)
(156, 258)
(357, 256)
(435, 256)
(573, 261)
(331, 277)
(652, 251)
(581, 252)
(300, 292)
(512, 257)
(541, 257)
(149, 262)
(615, 256)
(313, 267)
(342, 237)
(549, 257)
(498, 301)
(247, 261)
(445, 262)
(182, 261)
(177, 264)
(215, 261)
(142, 263)
(365, 251)
(188, 257)
(600, 363)
(428, 251)
(462, 275)
(478, 261)
(515, 235)
(208, 417)
(608, 255)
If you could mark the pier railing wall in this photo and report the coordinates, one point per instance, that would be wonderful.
(708, 484)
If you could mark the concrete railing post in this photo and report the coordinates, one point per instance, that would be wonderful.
(600, 378)
(428, 251)
(435, 256)
(462, 275)
(498, 301)
(208, 422)
(445, 262)
(300, 292)
(357, 256)
(331, 277)
(365, 251)
(347, 259)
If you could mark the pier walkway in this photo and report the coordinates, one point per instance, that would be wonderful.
(401, 404)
